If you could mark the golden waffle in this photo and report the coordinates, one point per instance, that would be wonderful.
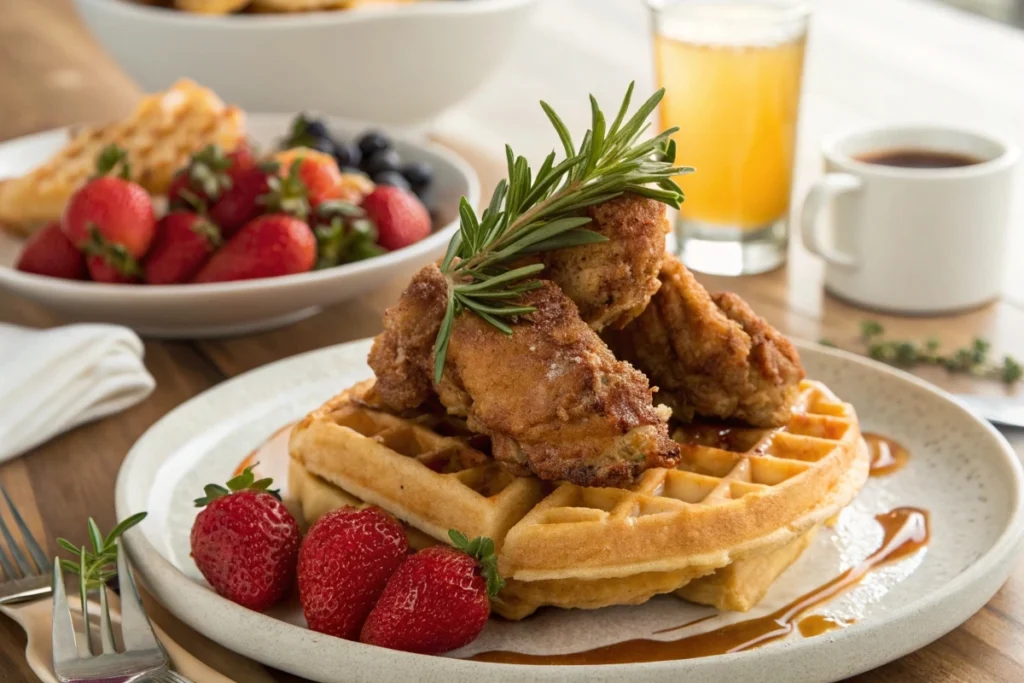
(738, 586)
(741, 585)
(161, 134)
(435, 482)
(715, 507)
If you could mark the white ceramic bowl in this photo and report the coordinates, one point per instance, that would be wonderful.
(221, 309)
(400, 65)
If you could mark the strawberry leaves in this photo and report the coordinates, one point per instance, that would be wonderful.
(109, 158)
(288, 194)
(344, 234)
(246, 481)
(480, 549)
(114, 254)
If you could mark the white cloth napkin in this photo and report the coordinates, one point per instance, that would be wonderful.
(56, 379)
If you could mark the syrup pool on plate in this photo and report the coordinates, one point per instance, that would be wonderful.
(905, 532)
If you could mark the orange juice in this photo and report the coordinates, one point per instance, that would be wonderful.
(734, 94)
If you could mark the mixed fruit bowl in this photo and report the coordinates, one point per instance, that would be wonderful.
(352, 245)
(233, 216)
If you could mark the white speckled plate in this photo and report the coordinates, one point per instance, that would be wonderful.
(961, 470)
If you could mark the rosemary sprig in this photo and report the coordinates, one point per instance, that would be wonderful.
(97, 566)
(533, 212)
(973, 360)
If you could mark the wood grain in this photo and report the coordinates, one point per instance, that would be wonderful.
(52, 73)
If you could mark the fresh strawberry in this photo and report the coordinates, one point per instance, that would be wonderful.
(400, 217)
(206, 177)
(184, 241)
(240, 202)
(111, 217)
(50, 252)
(343, 234)
(267, 247)
(344, 564)
(438, 599)
(241, 156)
(101, 270)
(245, 542)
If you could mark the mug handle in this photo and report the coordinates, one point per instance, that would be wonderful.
(812, 230)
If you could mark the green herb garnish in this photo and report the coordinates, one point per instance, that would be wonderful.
(538, 212)
(973, 360)
(97, 566)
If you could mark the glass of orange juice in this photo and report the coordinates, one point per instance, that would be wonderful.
(732, 70)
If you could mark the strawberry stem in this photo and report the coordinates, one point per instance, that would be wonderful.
(246, 481)
(109, 158)
(115, 255)
(480, 549)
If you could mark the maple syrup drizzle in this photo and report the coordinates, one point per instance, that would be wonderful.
(255, 456)
(689, 623)
(905, 530)
(816, 624)
(887, 455)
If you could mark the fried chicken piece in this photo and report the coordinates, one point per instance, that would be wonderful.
(551, 396)
(710, 355)
(611, 282)
(402, 356)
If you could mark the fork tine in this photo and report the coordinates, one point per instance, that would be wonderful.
(34, 549)
(136, 630)
(64, 647)
(106, 632)
(12, 547)
(5, 564)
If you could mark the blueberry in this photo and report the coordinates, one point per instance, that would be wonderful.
(419, 174)
(315, 127)
(392, 178)
(347, 153)
(381, 160)
(348, 170)
(325, 145)
(373, 141)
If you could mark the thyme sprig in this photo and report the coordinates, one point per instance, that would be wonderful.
(973, 360)
(533, 212)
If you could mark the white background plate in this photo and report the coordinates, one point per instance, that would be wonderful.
(961, 470)
(227, 308)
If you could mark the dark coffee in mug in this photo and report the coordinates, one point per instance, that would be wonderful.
(918, 158)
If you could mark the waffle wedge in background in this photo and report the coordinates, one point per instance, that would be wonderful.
(160, 135)
(736, 517)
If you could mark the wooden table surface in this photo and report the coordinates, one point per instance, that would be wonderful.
(52, 73)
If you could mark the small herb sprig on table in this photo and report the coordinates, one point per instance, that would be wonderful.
(97, 566)
(538, 212)
(973, 360)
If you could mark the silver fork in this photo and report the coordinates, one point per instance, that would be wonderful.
(21, 577)
(143, 658)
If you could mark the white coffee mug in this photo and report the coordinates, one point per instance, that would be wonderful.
(912, 240)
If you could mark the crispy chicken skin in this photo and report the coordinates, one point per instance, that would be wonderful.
(710, 355)
(402, 355)
(611, 282)
(551, 396)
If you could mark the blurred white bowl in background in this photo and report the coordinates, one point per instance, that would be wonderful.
(400, 65)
